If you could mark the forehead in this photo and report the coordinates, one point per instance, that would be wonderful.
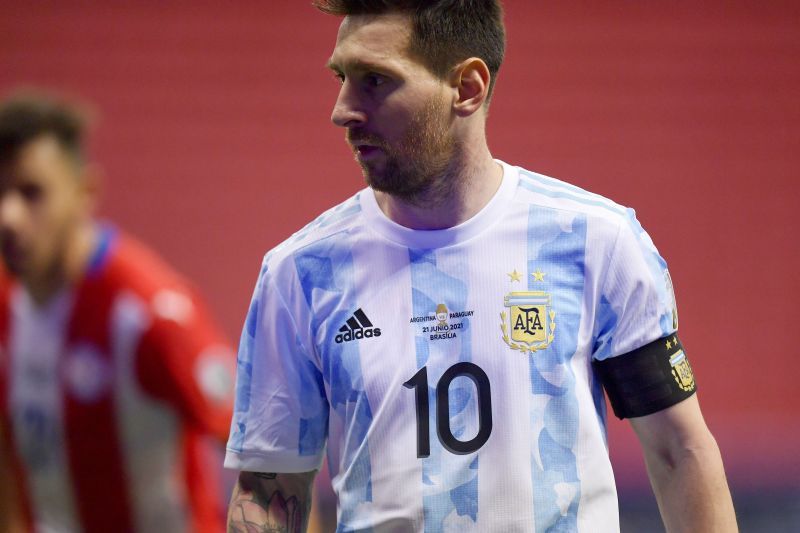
(373, 39)
(41, 157)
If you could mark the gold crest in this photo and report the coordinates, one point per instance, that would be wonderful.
(529, 325)
(682, 371)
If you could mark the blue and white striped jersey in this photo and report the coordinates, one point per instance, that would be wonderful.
(447, 374)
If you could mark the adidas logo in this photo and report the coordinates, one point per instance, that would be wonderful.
(357, 327)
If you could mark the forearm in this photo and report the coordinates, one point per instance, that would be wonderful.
(275, 503)
(691, 489)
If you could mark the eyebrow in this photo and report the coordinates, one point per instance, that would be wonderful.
(359, 65)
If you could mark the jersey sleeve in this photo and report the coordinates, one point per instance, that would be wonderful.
(280, 421)
(636, 304)
(184, 360)
(637, 354)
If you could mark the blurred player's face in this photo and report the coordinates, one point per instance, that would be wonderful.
(42, 200)
(396, 112)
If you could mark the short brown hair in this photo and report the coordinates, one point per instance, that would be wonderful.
(445, 31)
(30, 114)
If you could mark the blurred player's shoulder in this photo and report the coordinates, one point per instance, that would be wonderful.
(134, 269)
(139, 268)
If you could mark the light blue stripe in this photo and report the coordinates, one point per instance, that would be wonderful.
(560, 255)
(244, 368)
(657, 267)
(534, 187)
(563, 185)
(326, 272)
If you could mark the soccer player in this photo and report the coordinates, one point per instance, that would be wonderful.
(114, 380)
(446, 334)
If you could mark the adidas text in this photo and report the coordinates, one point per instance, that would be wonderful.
(358, 334)
(357, 327)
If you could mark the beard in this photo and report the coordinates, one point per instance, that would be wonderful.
(416, 168)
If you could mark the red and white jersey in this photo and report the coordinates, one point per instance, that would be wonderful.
(108, 396)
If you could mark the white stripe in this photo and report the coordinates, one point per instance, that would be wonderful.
(149, 430)
(36, 404)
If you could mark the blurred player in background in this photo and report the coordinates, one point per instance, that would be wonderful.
(446, 334)
(114, 379)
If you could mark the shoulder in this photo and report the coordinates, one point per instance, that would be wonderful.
(604, 216)
(336, 223)
(135, 267)
(141, 280)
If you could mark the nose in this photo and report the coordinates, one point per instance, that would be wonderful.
(348, 111)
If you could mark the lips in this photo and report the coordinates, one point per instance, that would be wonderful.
(366, 151)
(365, 145)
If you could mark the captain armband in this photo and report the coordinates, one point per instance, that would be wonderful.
(648, 379)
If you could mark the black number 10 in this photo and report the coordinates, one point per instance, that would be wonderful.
(420, 383)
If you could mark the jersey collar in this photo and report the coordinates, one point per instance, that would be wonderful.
(429, 239)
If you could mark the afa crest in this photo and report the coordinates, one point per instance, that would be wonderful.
(529, 324)
(682, 371)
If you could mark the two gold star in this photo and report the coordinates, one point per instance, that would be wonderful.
(674, 342)
(516, 276)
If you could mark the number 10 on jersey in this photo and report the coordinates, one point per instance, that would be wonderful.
(419, 383)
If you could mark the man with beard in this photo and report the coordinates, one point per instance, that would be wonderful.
(491, 416)
(114, 380)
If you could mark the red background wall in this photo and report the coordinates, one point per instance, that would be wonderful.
(215, 141)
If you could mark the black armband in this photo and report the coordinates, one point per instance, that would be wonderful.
(648, 379)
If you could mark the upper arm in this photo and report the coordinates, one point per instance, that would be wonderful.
(184, 359)
(280, 420)
(673, 429)
(637, 355)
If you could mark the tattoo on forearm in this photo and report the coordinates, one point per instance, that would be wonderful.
(262, 504)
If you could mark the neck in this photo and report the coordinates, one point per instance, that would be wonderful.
(469, 182)
(68, 268)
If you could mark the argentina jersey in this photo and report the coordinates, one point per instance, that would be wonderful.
(448, 374)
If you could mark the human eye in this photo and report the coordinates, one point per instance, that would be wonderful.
(338, 76)
(375, 80)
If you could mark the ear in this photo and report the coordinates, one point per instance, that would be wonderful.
(471, 79)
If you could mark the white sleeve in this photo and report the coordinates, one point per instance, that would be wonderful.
(280, 420)
(636, 304)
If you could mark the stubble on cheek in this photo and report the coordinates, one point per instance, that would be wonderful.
(420, 161)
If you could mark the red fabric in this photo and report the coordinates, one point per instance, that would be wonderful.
(206, 512)
(94, 450)
(12, 459)
(166, 369)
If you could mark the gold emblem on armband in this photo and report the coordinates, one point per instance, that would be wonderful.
(682, 371)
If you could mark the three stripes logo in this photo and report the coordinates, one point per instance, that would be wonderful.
(357, 327)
